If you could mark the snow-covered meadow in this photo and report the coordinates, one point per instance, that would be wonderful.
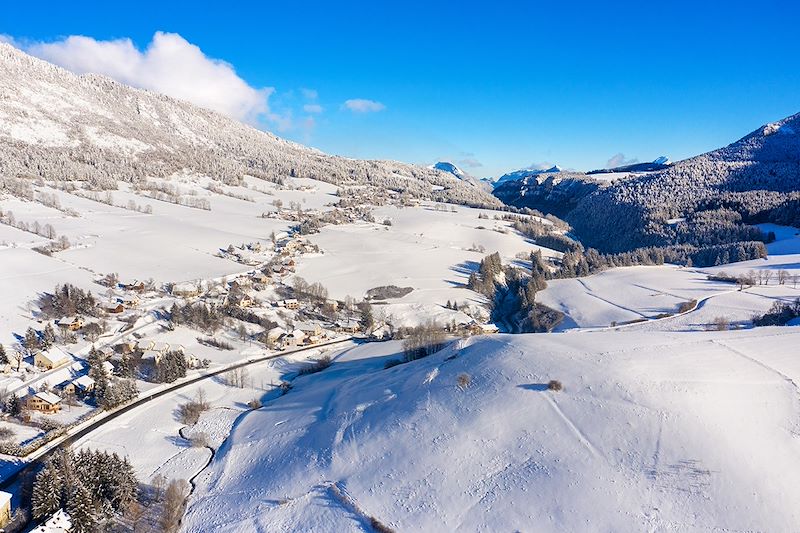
(652, 432)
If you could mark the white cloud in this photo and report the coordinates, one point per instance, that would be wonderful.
(170, 65)
(362, 105)
(312, 108)
(618, 160)
(544, 165)
(470, 162)
(309, 94)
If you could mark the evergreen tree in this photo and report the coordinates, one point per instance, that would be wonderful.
(367, 318)
(31, 341)
(80, 509)
(13, 405)
(46, 495)
(48, 336)
(3, 356)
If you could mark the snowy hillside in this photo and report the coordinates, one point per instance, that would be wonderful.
(698, 434)
(57, 125)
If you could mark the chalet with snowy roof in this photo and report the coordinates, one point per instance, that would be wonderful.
(130, 302)
(292, 339)
(274, 334)
(381, 332)
(45, 402)
(59, 522)
(144, 344)
(5, 508)
(349, 325)
(161, 347)
(50, 359)
(82, 385)
(310, 329)
(136, 286)
(289, 303)
(72, 323)
(483, 329)
(115, 308)
(240, 300)
(185, 290)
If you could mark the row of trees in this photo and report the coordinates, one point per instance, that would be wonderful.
(91, 486)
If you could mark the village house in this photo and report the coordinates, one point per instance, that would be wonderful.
(311, 330)
(50, 359)
(137, 286)
(382, 332)
(130, 302)
(240, 300)
(144, 344)
(291, 340)
(185, 290)
(82, 385)
(349, 325)
(260, 277)
(72, 323)
(115, 308)
(45, 402)
(483, 329)
(274, 334)
(5, 508)
(291, 303)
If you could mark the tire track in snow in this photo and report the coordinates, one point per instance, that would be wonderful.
(591, 293)
(772, 370)
(575, 429)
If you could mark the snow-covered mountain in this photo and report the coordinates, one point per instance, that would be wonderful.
(453, 169)
(445, 166)
(525, 173)
(60, 126)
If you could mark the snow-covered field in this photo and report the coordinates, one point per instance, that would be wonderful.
(653, 432)
(150, 436)
(431, 251)
(629, 294)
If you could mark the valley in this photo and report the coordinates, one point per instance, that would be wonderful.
(263, 337)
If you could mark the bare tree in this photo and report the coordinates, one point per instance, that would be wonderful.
(174, 503)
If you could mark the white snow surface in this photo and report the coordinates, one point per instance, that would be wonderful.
(653, 432)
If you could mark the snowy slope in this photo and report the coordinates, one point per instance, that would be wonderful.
(57, 125)
(654, 432)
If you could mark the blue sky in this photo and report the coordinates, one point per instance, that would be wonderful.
(492, 86)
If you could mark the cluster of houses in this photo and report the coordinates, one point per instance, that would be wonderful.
(153, 351)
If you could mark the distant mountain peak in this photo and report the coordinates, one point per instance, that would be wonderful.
(446, 166)
(526, 173)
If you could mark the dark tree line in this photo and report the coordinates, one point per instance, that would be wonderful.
(779, 314)
(68, 300)
(91, 486)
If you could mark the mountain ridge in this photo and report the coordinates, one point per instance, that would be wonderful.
(58, 125)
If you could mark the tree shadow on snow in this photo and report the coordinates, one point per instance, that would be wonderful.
(534, 386)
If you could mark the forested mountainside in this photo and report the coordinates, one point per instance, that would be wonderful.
(60, 126)
(708, 200)
(704, 200)
(557, 193)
